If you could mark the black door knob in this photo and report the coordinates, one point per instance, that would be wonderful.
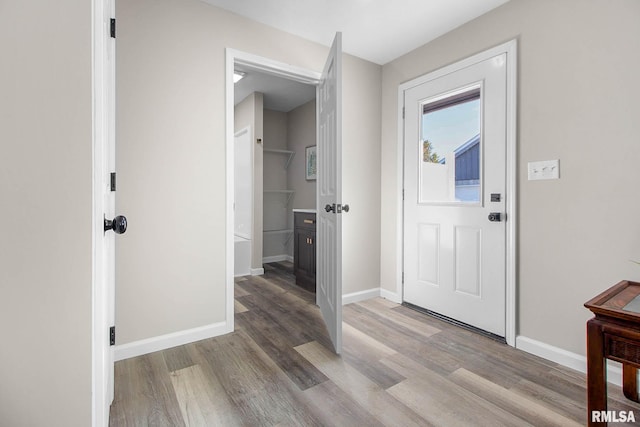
(330, 208)
(118, 225)
(495, 217)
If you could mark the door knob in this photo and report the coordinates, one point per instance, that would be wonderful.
(118, 224)
(495, 217)
(345, 208)
(330, 208)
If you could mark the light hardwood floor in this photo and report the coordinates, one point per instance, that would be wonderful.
(399, 367)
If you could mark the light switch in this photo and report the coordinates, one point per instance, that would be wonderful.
(546, 169)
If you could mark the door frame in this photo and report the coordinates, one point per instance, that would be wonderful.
(268, 66)
(510, 48)
(101, 84)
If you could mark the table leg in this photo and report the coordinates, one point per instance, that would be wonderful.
(630, 382)
(596, 373)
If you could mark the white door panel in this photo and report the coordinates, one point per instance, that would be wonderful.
(454, 256)
(329, 192)
(109, 157)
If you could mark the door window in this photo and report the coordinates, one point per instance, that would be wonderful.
(450, 170)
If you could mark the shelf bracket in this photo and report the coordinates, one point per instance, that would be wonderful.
(289, 198)
(286, 165)
(288, 239)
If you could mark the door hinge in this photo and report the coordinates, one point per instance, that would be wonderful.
(112, 335)
(403, 194)
(113, 181)
(403, 277)
(112, 28)
(403, 112)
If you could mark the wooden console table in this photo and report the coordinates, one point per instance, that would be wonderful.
(614, 333)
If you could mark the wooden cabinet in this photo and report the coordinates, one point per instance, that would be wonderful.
(304, 250)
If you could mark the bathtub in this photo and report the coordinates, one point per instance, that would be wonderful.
(242, 256)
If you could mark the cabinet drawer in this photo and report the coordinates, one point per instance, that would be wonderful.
(304, 220)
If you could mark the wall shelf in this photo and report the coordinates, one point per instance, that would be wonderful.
(277, 231)
(288, 192)
(285, 152)
(288, 233)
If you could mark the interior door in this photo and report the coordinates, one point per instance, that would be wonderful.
(329, 193)
(455, 182)
(109, 185)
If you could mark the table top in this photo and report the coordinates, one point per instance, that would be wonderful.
(621, 301)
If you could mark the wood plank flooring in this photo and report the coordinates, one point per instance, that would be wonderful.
(399, 367)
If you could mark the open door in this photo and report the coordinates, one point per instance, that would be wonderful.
(329, 193)
(105, 223)
(109, 188)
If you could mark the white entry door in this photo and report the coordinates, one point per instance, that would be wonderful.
(329, 191)
(455, 194)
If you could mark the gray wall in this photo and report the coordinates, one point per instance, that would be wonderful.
(293, 131)
(171, 145)
(45, 191)
(275, 178)
(578, 102)
(301, 131)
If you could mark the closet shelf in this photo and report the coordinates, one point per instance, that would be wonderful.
(286, 152)
(288, 233)
(285, 231)
(289, 192)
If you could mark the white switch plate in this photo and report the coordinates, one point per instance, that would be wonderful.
(546, 169)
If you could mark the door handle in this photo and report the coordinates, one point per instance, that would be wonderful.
(336, 208)
(495, 217)
(118, 224)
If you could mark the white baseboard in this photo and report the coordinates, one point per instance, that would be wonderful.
(277, 258)
(257, 271)
(391, 296)
(566, 358)
(360, 296)
(162, 342)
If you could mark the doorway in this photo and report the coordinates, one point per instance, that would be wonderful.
(280, 113)
(459, 192)
(328, 85)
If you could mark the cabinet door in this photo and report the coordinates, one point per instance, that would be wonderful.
(304, 257)
(312, 256)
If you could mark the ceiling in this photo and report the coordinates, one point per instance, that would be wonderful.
(376, 30)
(279, 94)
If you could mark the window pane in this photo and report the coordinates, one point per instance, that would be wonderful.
(450, 170)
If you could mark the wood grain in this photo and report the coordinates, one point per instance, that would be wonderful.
(399, 367)
(380, 404)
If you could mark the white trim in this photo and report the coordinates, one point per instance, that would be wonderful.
(360, 296)
(391, 296)
(566, 358)
(230, 149)
(272, 67)
(279, 69)
(99, 300)
(163, 342)
(277, 258)
(257, 272)
(510, 48)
